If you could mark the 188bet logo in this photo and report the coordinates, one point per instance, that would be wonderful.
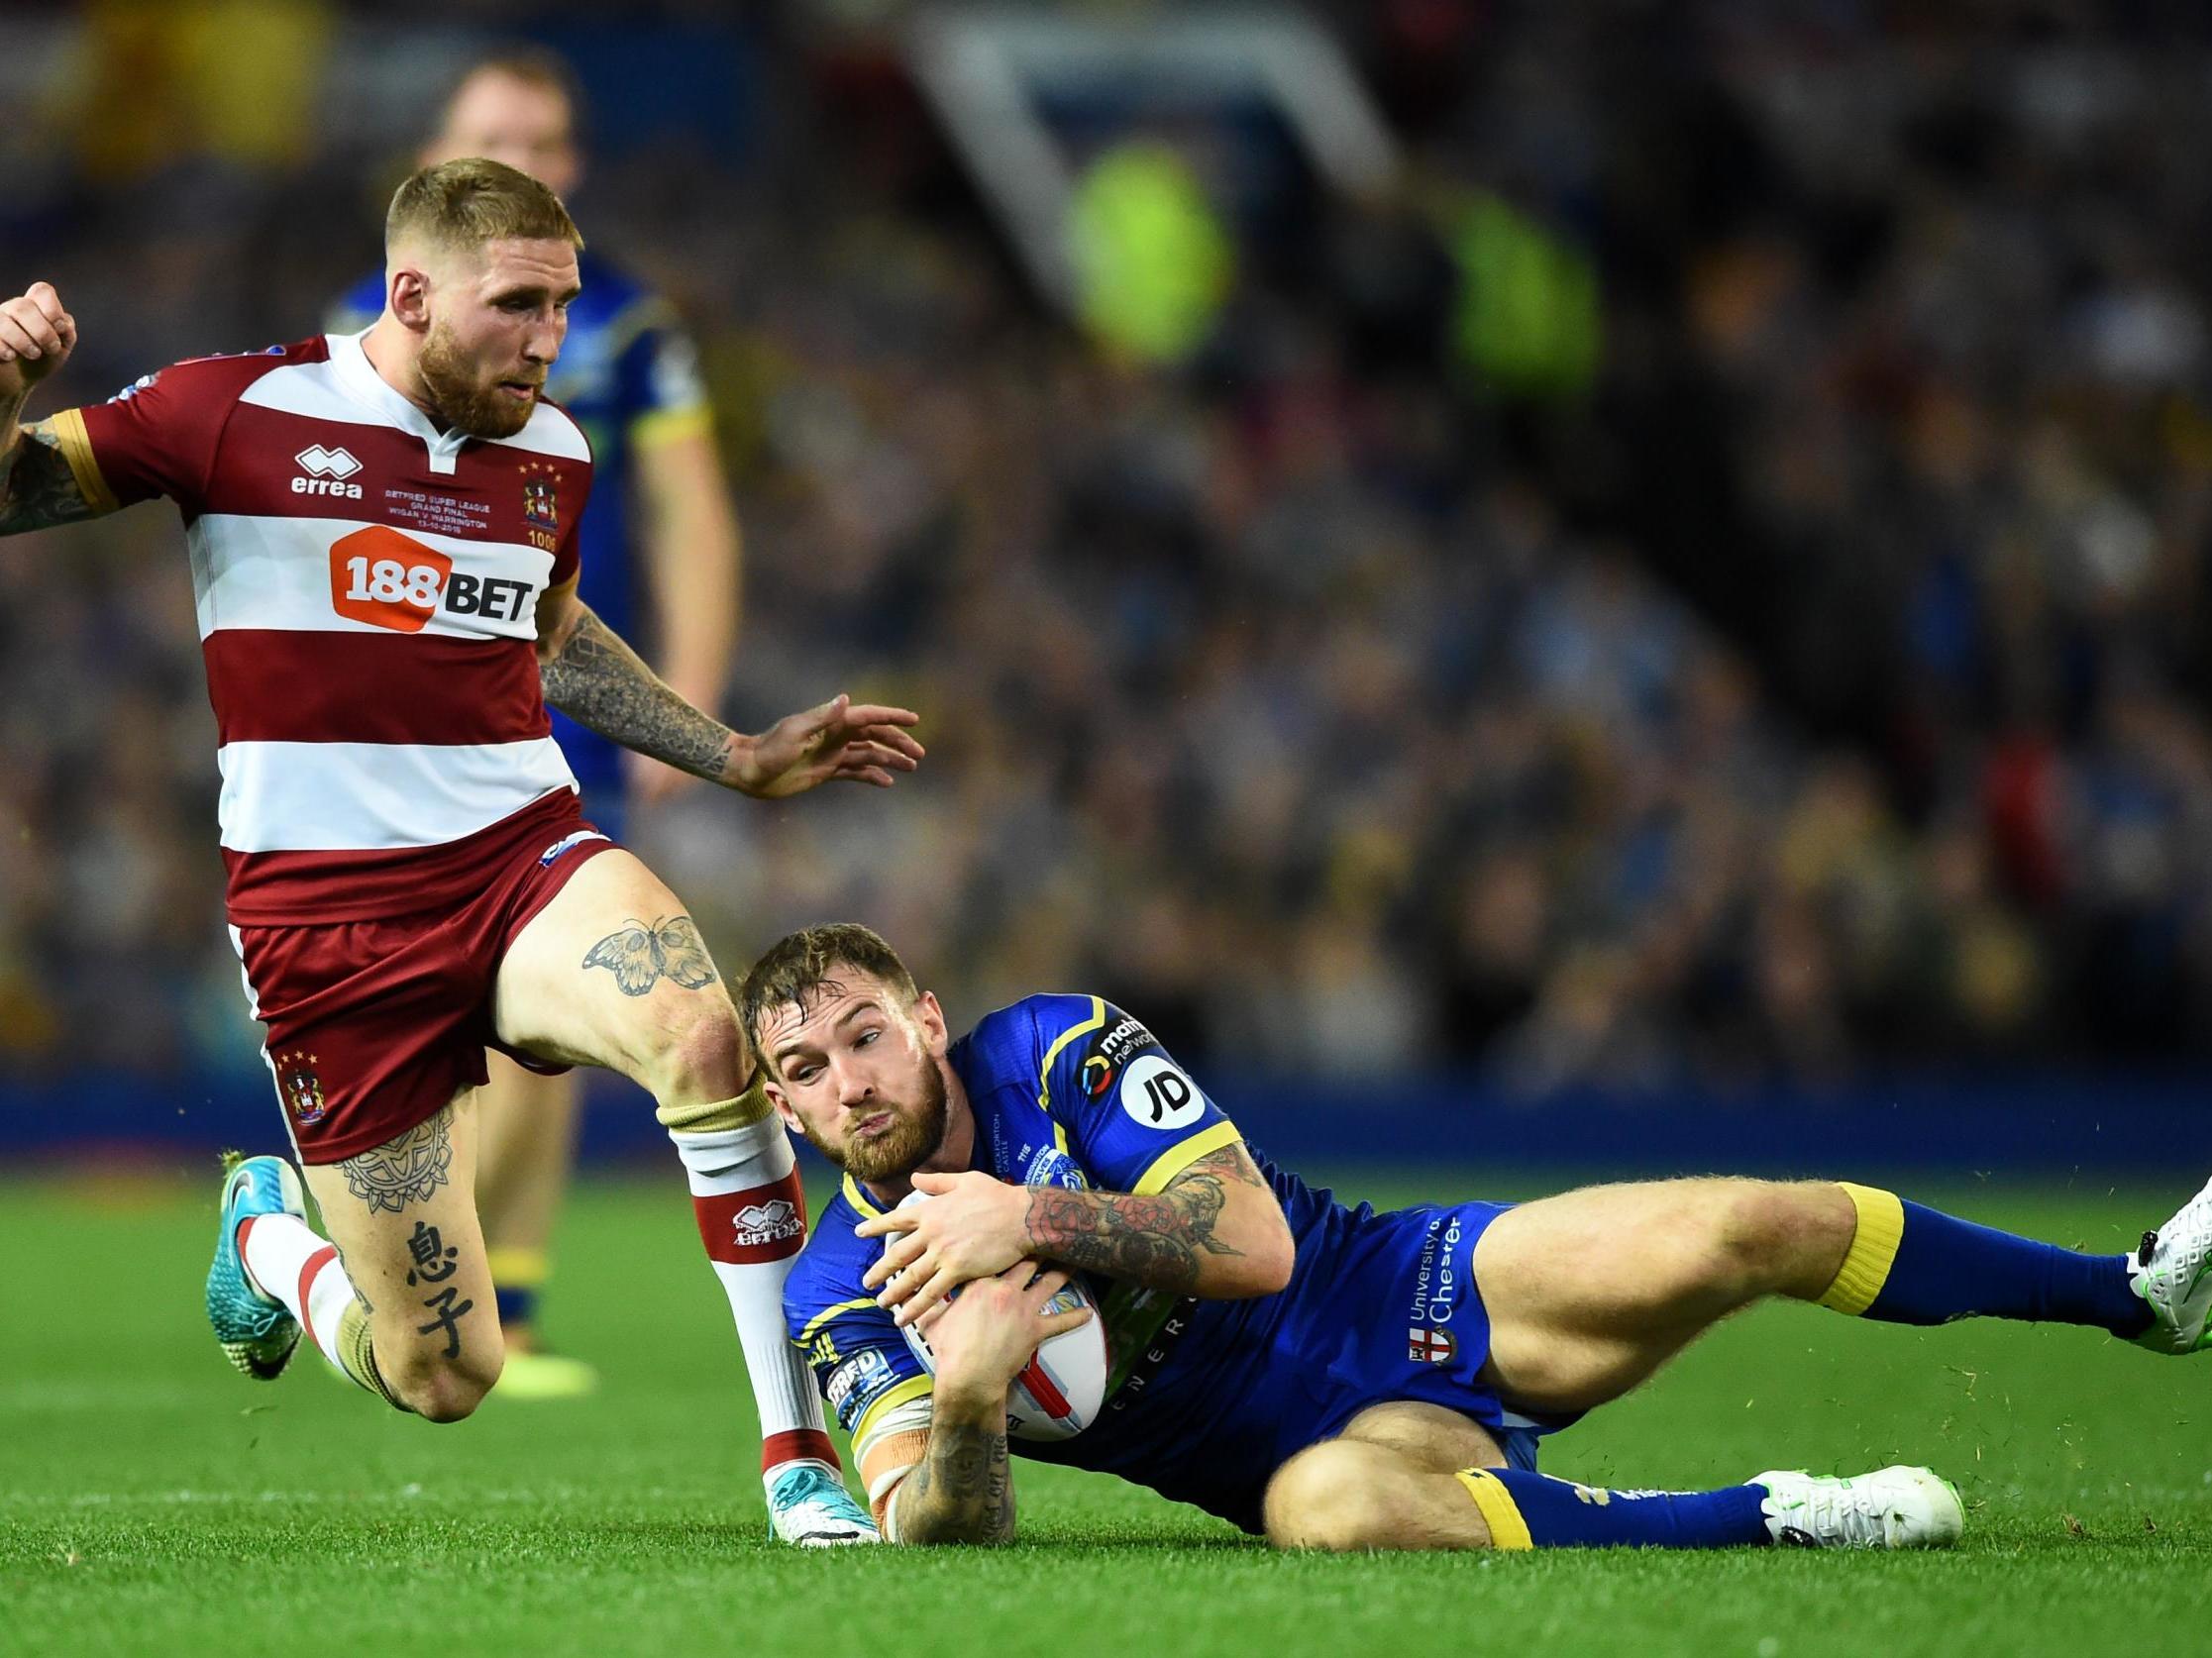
(391, 580)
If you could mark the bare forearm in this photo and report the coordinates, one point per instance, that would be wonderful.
(599, 681)
(1183, 1239)
(963, 1489)
(699, 613)
(694, 552)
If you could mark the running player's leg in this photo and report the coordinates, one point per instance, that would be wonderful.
(399, 1296)
(1416, 1476)
(613, 972)
(1591, 1291)
(526, 1132)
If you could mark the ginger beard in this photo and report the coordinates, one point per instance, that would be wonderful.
(464, 398)
(893, 1152)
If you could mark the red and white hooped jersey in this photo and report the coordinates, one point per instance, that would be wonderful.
(367, 589)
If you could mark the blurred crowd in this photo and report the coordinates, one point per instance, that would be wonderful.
(1812, 687)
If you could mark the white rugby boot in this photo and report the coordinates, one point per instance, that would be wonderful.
(810, 1507)
(2173, 1271)
(1890, 1508)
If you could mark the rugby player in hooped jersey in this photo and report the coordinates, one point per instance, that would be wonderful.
(660, 550)
(382, 529)
(1331, 1378)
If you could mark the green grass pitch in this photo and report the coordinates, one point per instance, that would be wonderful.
(151, 1500)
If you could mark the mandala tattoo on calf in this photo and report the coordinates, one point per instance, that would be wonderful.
(644, 952)
(408, 1170)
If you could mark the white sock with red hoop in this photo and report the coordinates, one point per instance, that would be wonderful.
(751, 1214)
(285, 1259)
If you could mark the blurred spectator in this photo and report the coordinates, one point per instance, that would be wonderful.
(1821, 688)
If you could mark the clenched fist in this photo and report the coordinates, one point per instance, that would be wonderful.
(37, 337)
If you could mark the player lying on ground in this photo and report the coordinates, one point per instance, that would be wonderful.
(1333, 1378)
(382, 534)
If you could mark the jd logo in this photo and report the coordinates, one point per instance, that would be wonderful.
(1158, 1095)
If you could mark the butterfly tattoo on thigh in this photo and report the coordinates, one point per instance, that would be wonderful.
(643, 953)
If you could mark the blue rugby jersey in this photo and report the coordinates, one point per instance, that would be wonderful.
(629, 375)
(1208, 1399)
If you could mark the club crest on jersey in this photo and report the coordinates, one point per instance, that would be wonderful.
(1429, 1347)
(302, 1088)
(1053, 1166)
(540, 506)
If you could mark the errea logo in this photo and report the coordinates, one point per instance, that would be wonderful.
(327, 470)
(771, 1222)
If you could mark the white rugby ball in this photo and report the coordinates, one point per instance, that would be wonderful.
(1058, 1393)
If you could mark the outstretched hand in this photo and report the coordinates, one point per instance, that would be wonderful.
(37, 337)
(838, 741)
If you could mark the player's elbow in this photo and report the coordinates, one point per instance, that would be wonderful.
(1263, 1263)
(1272, 1264)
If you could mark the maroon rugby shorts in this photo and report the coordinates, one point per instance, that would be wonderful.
(374, 1025)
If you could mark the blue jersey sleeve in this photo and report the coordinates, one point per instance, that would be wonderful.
(658, 385)
(1134, 1119)
(875, 1386)
(861, 1363)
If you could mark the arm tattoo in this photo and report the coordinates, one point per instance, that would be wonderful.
(643, 953)
(408, 1170)
(37, 487)
(963, 1491)
(1154, 1241)
(599, 681)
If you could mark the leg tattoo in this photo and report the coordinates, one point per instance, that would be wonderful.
(408, 1170)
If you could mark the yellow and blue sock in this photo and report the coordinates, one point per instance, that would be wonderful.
(517, 1279)
(1530, 1510)
(1910, 1265)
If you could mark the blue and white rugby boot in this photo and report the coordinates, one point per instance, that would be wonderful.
(2173, 1271)
(809, 1507)
(1889, 1509)
(256, 1331)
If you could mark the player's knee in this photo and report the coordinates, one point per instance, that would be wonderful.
(702, 1055)
(1328, 1497)
(440, 1389)
(1763, 1227)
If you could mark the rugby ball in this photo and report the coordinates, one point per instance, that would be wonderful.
(1059, 1391)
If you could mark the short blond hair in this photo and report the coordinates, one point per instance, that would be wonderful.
(469, 202)
(797, 966)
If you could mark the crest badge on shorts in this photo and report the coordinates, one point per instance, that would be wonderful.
(301, 1087)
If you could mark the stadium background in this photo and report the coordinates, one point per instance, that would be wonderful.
(1658, 626)
(1685, 594)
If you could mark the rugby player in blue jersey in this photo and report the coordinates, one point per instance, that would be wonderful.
(629, 375)
(1328, 1377)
